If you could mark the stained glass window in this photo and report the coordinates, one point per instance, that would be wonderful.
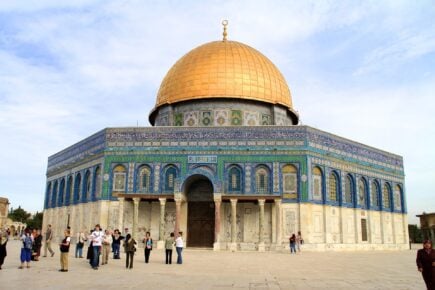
(333, 187)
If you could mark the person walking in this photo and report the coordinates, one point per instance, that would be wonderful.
(3, 242)
(130, 248)
(116, 244)
(107, 244)
(81, 239)
(26, 249)
(169, 244)
(48, 238)
(292, 240)
(148, 241)
(426, 264)
(97, 240)
(179, 244)
(64, 251)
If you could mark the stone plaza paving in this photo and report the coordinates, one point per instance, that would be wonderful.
(205, 269)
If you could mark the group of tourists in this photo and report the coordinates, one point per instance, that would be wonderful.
(99, 243)
(104, 242)
(295, 243)
(31, 246)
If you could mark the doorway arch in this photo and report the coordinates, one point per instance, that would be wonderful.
(198, 190)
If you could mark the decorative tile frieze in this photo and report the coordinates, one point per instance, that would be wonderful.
(275, 176)
(130, 182)
(156, 177)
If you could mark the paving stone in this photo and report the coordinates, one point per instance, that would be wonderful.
(205, 270)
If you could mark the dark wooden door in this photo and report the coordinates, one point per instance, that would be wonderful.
(200, 224)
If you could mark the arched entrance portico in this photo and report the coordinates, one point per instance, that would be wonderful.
(200, 212)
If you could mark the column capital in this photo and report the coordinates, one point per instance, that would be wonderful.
(233, 201)
(217, 197)
(178, 196)
(278, 201)
(261, 201)
(162, 200)
(136, 200)
(121, 198)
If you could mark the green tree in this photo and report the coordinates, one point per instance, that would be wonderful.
(19, 215)
(415, 234)
(36, 221)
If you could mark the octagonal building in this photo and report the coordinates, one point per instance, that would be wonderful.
(227, 163)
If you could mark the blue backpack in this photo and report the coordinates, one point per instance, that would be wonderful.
(28, 242)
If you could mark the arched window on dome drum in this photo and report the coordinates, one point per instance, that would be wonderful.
(234, 179)
(170, 175)
(77, 187)
(119, 178)
(362, 193)
(262, 180)
(144, 179)
(374, 197)
(386, 196)
(87, 185)
(48, 195)
(333, 187)
(290, 181)
(54, 194)
(348, 189)
(69, 191)
(397, 198)
(317, 183)
(60, 199)
(96, 190)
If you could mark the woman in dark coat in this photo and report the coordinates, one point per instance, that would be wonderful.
(426, 264)
(37, 244)
(90, 253)
(3, 242)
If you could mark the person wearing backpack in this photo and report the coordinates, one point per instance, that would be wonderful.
(26, 250)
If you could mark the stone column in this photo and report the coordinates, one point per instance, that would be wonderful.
(233, 246)
(217, 221)
(121, 214)
(383, 241)
(177, 215)
(261, 247)
(136, 201)
(161, 242)
(81, 213)
(393, 226)
(278, 222)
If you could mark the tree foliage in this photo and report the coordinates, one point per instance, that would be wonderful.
(20, 215)
(36, 221)
(415, 234)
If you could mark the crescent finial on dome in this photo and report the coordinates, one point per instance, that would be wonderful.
(225, 34)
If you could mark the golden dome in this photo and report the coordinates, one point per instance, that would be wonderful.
(224, 69)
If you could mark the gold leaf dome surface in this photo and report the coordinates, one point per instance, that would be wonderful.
(224, 69)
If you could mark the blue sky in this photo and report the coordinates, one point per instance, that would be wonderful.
(364, 70)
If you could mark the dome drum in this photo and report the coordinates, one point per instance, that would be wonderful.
(222, 112)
